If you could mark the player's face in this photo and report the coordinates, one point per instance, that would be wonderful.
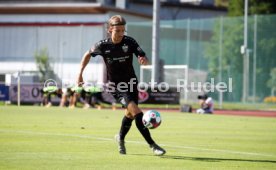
(117, 33)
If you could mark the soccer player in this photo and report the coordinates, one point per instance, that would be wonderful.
(67, 97)
(117, 52)
(48, 93)
(206, 104)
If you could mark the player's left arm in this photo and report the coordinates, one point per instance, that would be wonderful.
(141, 55)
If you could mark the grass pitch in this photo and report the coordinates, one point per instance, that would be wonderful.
(34, 137)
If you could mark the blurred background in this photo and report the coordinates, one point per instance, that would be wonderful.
(45, 39)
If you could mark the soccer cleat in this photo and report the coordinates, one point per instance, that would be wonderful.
(49, 104)
(157, 150)
(121, 143)
(86, 106)
(71, 107)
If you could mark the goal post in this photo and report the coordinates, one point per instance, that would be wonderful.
(171, 75)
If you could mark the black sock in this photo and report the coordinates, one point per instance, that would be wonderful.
(126, 124)
(143, 130)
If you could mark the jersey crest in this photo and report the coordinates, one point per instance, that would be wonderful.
(125, 48)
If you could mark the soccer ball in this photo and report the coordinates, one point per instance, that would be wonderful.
(151, 119)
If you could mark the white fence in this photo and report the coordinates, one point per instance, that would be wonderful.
(65, 45)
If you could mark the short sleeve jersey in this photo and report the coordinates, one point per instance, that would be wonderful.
(118, 57)
(210, 103)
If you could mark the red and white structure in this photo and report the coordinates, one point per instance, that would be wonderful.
(65, 30)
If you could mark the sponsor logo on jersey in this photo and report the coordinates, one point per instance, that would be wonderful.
(121, 59)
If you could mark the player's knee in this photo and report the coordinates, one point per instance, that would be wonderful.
(133, 109)
(129, 115)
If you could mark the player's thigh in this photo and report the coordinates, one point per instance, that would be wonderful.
(133, 109)
(124, 98)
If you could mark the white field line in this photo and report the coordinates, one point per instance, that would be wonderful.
(137, 142)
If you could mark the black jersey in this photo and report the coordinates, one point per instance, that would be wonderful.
(118, 58)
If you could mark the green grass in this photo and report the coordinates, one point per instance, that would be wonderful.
(225, 105)
(33, 137)
(247, 106)
(195, 105)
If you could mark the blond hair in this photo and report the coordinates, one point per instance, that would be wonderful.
(115, 21)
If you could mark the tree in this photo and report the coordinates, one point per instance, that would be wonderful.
(232, 62)
(236, 7)
(43, 65)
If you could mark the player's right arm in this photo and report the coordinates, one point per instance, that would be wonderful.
(85, 60)
(94, 51)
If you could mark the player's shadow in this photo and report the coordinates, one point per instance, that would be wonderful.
(213, 159)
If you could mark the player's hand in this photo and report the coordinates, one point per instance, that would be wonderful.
(80, 81)
(143, 60)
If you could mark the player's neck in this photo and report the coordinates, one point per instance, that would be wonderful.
(116, 41)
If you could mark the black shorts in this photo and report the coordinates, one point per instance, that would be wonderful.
(126, 97)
